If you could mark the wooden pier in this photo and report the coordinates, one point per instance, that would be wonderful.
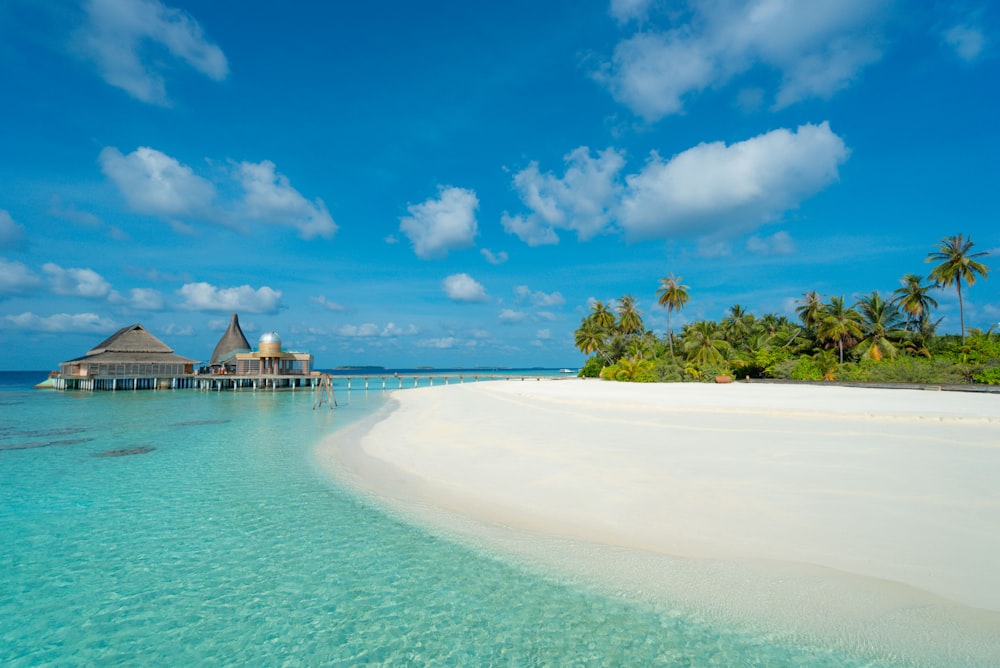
(274, 383)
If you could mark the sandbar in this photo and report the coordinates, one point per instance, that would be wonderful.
(869, 515)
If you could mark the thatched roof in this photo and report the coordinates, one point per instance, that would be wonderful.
(133, 344)
(231, 342)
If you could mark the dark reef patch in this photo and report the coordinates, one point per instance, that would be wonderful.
(141, 450)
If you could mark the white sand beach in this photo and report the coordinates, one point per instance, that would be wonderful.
(870, 515)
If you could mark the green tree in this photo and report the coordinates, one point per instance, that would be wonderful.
(629, 317)
(957, 265)
(673, 296)
(840, 325)
(591, 338)
(703, 343)
(810, 310)
(880, 320)
(913, 299)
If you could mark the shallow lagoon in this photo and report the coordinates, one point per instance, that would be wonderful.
(213, 538)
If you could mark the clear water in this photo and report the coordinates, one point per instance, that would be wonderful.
(219, 542)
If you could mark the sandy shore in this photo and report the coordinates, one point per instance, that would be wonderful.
(791, 503)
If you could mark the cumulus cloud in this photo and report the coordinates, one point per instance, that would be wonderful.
(270, 198)
(12, 234)
(61, 322)
(508, 316)
(624, 11)
(494, 258)
(578, 201)
(818, 49)
(779, 243)
(76, 282)
(464, 288)
(141, 299)
(367, 329)
(537, 297)
(16, 278)
(715, 189)
(207, 297)
(440, 225)
(154, 183)
(967, 41)
(128, 39)
(443, 343)
(327, 304)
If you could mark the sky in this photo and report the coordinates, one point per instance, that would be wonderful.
(454, 183)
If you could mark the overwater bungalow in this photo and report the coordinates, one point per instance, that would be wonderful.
(131, 358)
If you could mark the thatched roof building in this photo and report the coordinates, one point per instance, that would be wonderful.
(233, 341)
(131, 351)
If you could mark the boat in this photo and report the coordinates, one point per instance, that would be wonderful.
(567, 370)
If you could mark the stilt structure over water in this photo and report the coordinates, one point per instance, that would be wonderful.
(129, 359)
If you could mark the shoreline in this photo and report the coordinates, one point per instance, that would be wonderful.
(864, 516)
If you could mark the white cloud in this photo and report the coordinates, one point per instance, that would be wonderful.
(76, 282)
(494, 258)
(145, 299)
(270, 198)
(367, 329)
(818, 48)
(174, 329)
(392, 329)
(578, 201)
(128, 39)
(61, 322)
(443, 343)
(371, 330)
(12, 234)
(624, 11)
(326, 303)
(16, 278)
(714, 189)
(543, 334)
(539, 298)
(439, 225)
(154, 183)
(967, 41)
(508, 316)
(779, 243)
(464, 288)
(207, 297)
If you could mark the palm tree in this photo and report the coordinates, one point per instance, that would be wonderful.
(602, 315)
(810, 310)
(913, 298)
(629, 316)
(673, 296)
(839, 324)
(703, 343)
(957, 265)
(880, 320)
(738, 324)
(591, 338)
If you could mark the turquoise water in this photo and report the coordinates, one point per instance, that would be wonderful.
(219, 542)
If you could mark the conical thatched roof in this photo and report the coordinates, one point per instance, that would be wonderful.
(131, 339)
(232, 341)
(133, 344)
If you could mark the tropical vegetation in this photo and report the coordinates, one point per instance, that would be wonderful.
(876, 337)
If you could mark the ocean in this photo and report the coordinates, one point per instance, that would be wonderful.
(187, 527)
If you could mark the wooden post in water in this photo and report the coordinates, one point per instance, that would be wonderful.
(324, 393)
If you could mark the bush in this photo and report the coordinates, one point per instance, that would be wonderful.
(591, 368)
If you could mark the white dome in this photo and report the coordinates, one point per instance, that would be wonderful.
(269, 337)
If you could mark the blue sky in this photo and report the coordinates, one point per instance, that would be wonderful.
(453, 183)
